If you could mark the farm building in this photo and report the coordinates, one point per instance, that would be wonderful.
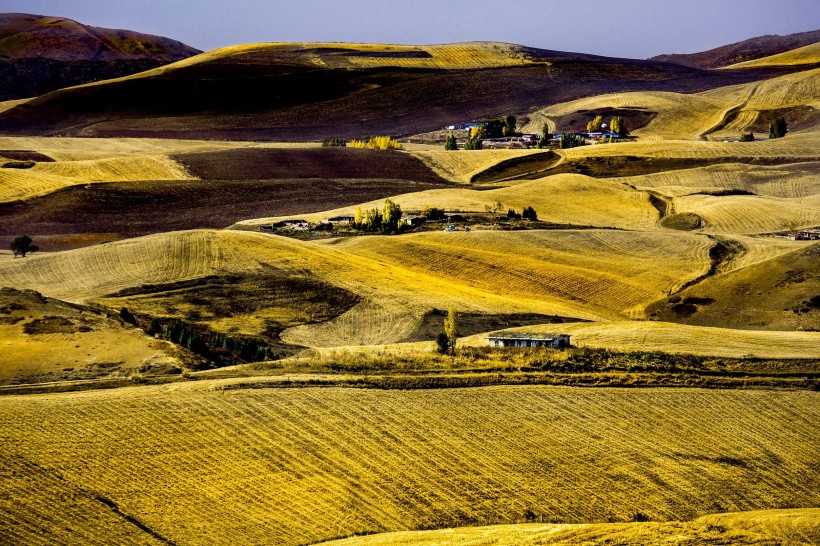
(809, 235)
(343, 219)
(413, 221)
(528, 339)
(298, 225)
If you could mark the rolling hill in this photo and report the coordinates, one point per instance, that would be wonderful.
(92, 343)
(39, 54)
(747, 50)
(316, 91)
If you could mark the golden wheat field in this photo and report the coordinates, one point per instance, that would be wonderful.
(795, 527)
(787, 181)
(293, 466)
(462, 165)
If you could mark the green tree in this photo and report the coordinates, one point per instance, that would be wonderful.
(510, 125)
(529, 214)
(373, 220)
(570, 140)
(391, 216)
(477, 134)
(442, 343)
(451, 143)
(617, 125)
(747, 137)
(21, 246)
(451, 330)
(777, 127)
(545, 137)
(494, 128)
(595, 125)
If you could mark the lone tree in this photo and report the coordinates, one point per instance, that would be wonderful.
(477, 135)
(529, 214)
(595, 125)
(451, 143)
(747, 137)
(617, 125)
(777, 127)
(509, 125)
(22, 246)
(391, 217)
(451, 330)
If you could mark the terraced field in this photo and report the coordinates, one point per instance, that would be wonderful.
(794, 527)
(291, 466)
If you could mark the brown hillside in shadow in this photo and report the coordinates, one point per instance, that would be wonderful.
(754, 48)
(271, 95)
(39, 54)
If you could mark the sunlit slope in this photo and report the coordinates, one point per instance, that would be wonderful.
(691, 116)
(751, 214)
(809, 54)
(586, 274)
(48, 340)
(462, 165)
(45, 178)
(83, 161)
(782, 293)
(678, 338)
(294, 466)
(796, 527)
(799, 147)
(788, 181)
(567, 198)
(467, 55)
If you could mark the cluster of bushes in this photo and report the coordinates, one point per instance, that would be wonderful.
(492, 128)
(19, 164)
(215, 347)
(340, 142)
(528, 214)
(778, 127)
(387, 220)
(377, 143)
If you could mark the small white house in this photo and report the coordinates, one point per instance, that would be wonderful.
(528, 339)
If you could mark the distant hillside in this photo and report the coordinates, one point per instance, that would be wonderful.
(747, 50)
(39, 54)
(312, 91)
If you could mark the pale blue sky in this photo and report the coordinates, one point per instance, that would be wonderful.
(620, 28)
